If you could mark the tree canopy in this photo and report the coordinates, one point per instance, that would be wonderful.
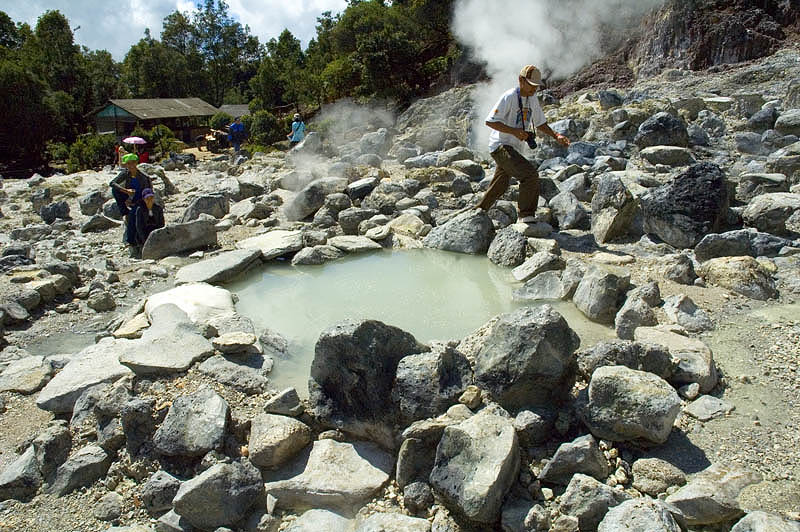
(375, 48)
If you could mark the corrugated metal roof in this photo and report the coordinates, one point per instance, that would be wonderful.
(235, 109)
(148, 109)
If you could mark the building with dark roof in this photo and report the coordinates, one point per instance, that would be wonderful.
(186, 117)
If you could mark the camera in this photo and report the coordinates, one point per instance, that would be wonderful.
(531, 140)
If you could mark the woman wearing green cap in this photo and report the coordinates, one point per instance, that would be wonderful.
(127, 190)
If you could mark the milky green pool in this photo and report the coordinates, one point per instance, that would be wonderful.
(434, 295)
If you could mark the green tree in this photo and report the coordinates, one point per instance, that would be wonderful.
(152, 70)
(25, 119)
(105, 75)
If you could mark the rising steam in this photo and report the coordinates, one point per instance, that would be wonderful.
(559, 36)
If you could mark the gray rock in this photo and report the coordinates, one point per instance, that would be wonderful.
(682, 310)
(94, 365)
(507, 248)
(361, 188)
(707, 407)
(582, 455)
(579, 185)
(613, 209)
(569, 212)
(652, 358)
(101, 301)
(275, 439)
(171, 344)
(476, 463)
(334, 475)
(81, 469)
(26, 375)
(756, 184)
(711, 496)
(769, 212)
(21, 478)
(179, 238)
(350, 219)
(285, 403)
(172, 522)
(743, 275)
(109, 507)
(695, 359)
(689, 207)
(680, 269)
(354, 365)
(536, 264)
(219, 496)
(662, 129)
(418, 497)
(427, 384)
(138, 425)
(534, 427)
(311, 197)
(52, 447)
(194, 425)
(247, 376)
(749, 142)
(670, 155)
(98, 223)
(639, 515)
(219, 269)
(729, 244)
(513, 514)
(546, 285)
(158, 491)
(623, 404)
(636, 312)
(274, 244)
(91, 203)
(525, 358)
(393, 522)
(471, 232)
(353, 244)
(54, 211)
(215, 204)
(318, 520)
(764, 522)
(589, 500)
(654, 476)
(789, 122)
(600, 293)
(316, 255)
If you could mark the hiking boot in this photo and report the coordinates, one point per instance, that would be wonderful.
(135, 252)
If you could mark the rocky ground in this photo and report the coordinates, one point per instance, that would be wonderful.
(681, 258)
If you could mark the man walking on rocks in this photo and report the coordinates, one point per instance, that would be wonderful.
(512, 121)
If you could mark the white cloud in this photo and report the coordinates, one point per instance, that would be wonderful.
(116, 26)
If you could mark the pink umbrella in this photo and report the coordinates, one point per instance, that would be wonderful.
(134, 140)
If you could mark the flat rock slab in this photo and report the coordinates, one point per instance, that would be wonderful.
(171, 344)
(26, 375)
(707, 407)
(200, 301)
(246, 379)
(178, 238)
(353, 244)
(96, 364)
(336, 476)
(274, 243)
(219, 269)
(82, 468)
(317, 520)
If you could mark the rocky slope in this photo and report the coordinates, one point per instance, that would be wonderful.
(673, 218)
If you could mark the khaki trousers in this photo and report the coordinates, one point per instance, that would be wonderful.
(511, 163)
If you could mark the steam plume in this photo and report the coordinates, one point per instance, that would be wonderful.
(559, 36)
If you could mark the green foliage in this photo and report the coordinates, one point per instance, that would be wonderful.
(160, 140)
(220, 120)
(25, 118)
(263, 128)
(57, 151)
(91, 151)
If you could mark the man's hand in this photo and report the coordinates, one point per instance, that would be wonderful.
(561, 139)
(521, 134)
(130, 191)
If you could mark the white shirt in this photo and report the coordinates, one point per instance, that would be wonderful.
(507, 111)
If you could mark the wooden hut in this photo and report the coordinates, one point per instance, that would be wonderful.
(186, 117)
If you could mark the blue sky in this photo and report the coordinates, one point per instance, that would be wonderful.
(115, 26)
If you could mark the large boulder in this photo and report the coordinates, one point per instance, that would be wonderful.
(568, 211)
(309, 199)
(202, 302)
(508, 248)
(582, 455)
(477, 461)
(789, 123)
(613, 209)
(526, 358)
(21, 478)
(427, 384)
(194, 425)
(639, 515)
(623, 404)
(219, 496)
(589, 500)
(220, 268)
(216, 205)
(652, 358)
(82, 468)
(275, 439)
(740, 243)
(179, 238)
(695, 359)
(274, 244)
(354, 366)
(339, 476)
(600, 293)
(662, 129)
(769, 212)
(764, 522)
(471, 232)
(694, 204)
(743, 275)
(711, 496)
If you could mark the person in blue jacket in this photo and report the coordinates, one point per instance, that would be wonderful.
(127, 188)
(298, 131)
(236, 134)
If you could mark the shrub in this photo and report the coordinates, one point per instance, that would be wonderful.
(263, 128)
(160, 140)
(220, 121)
(91, 151)
(57, 151)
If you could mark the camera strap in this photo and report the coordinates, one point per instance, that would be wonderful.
(522, 110)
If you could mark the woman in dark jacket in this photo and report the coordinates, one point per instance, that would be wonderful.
(127, 190)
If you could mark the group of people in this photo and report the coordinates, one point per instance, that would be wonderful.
(133, 192)
(237, 133)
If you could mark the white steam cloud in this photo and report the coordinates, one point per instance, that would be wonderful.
(558, 36)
